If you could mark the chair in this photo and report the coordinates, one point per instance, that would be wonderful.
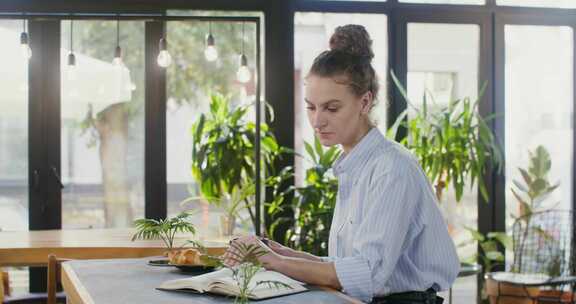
(29, 298)
(4, 287)
(544, 265)
(54, 280)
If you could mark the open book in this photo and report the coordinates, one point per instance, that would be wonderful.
(221, 282)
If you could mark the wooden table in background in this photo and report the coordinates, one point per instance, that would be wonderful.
(31, 248)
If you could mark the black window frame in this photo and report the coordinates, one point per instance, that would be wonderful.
(278, 79)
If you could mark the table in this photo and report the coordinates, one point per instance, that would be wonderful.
(134, 281)
(466, 270)
(31, 248)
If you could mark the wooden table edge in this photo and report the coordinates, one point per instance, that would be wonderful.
(76, 293)
(39, 256)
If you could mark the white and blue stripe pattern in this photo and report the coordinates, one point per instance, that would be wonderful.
(387, 234)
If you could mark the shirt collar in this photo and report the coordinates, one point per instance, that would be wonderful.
(355, 158)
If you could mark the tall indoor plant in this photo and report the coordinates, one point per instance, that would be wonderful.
(453, 144)
(312, 204)
(223, 162)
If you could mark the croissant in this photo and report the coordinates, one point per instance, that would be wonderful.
(186, 257)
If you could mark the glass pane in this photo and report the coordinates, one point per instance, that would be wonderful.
(539, 3)
(14, 140)
(191, 80)
(539, 108)
(102, 125)
(477, 2)
(13, 129)
(312, 32)
(443, 64)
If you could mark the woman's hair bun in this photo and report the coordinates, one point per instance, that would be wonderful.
(352, 39)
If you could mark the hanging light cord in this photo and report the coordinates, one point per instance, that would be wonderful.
(118, 32)
(243, 38)
(24, 25)
(71, 36)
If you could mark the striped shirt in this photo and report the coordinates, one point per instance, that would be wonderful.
(387, 234)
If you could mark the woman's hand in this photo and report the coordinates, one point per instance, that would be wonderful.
(289, 252)
(264, 254)
(279, 248)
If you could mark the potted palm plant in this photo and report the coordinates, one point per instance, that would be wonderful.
(223, 161)
(164, 229)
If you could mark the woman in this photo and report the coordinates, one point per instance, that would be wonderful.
(388, 241)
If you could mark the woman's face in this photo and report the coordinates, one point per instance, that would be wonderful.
(335, 113)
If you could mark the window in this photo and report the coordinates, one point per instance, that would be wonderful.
(539, 107)
(443, 64)
(14, 139)
(191, 79)
(13, 129)
(102, 125)
(539, 3)
(311, 34)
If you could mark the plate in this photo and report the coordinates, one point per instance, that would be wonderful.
(163, 262)
(198, 269)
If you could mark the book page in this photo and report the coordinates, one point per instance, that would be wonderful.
(199, 283)
(267, 290)
(222, 282)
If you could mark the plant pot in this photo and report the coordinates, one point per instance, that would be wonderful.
(227, 223)
(507, 293)
(556, 296)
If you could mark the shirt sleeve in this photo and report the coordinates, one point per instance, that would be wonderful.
(381, 237)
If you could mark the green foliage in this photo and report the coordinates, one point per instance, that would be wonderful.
(223, 151)
(163, 229)
(453, 144)
(246, 255)
(531, 192)
(489, 254)
(534, 188)
(313, 204)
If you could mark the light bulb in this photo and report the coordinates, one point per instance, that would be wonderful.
(25, 45)
(71, 68)
(164, 59)
(243, 75)
(118, 57)
(117, 61)
(26, 51)
(211, 53)
(71, 73)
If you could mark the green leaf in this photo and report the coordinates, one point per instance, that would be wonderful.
(526, 176)
(476, 235)
(310, 151)
(318, 146)
(520, 186)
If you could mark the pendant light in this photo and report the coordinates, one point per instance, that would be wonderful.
(71, 70)
(243, 74)
(210, 52)
(164, 59)
(118, 51)
(25, 42)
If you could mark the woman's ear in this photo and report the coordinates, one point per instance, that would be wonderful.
(367, 100)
